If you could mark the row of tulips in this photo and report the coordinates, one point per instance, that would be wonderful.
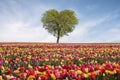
(60, 62)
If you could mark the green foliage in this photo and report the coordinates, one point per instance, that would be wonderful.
(59, 23)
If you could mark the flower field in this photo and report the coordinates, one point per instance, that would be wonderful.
(50, 61)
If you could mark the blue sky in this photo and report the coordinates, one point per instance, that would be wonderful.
(99, 20)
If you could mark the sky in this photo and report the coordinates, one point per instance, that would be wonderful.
(99, 20)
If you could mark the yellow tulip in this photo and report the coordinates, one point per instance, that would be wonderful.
(89, 74)
(115, 64)
(112, 72)
(29, 56)
(79, 72)
(29, 66)
(31, 77)
(8, 77)
(46, 59)
(107, 71)
(2, 69)
(86, 75)
(6, 61)
(115, 71)
(44, 72)
(37, 72)
(96, 62)
(1, 78)
(53, 76)
(16, 71)
(1, 50)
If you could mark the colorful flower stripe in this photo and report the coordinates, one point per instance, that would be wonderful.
(59, 61)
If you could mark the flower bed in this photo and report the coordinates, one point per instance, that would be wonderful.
(37, 61)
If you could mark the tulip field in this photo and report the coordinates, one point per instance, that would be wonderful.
(63, 61)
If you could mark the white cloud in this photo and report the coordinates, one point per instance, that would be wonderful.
(111, 35)
(18, 25)
(24, 32)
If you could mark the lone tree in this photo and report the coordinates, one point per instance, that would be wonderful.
(59, 23)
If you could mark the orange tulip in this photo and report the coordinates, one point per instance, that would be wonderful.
(31, 77)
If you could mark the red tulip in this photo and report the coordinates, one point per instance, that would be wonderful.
(91, 69)
(92, 75)
(22, 69)
(13, 79)
(23, 75)
(108, 66)
(9, 71)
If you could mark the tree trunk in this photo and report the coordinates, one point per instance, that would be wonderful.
(58, 36)
(58, 39)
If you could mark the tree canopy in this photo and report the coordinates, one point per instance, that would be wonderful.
(59, 23)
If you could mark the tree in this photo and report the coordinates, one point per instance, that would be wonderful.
(59, 23)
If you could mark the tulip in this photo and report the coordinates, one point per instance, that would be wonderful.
(2, 69)
(23, 75)
(86, 70)
(31, 77)
(57, 75)
(1, 78)
(37, 72)
(92, 75)
(9, 71)
(107, 71)
(6, 62)
(8, 77)
(111, 72)
(79, 72)
(118, 71)
(22, 69)
(86, 75)
(13, 79)
(53, 76)
(91, 69)
(43, 77)
(16, 71)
